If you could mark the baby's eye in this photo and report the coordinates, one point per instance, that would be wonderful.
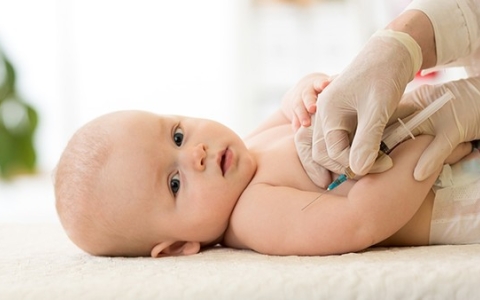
(178, 136)
(175, 184)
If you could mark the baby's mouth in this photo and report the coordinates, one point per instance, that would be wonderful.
(226, 161)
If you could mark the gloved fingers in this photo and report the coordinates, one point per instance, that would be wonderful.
(366, 144)
(382, 164)
(433, 157)
(320, 156)
(370, 88)
(319, 151)
(362, 160)
(403, 110)
(303, 143)
(334, 156)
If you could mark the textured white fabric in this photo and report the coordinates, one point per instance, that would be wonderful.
(456, 215)
(39, 262)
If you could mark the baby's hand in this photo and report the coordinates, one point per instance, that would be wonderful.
(462, 150)
(300, 101)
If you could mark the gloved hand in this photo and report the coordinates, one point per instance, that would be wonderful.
(321, 175)
(303, 143)
(456, 122)
(361, 100)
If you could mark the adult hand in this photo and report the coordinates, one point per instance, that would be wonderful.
(361, 100)
(456, 122)
(320, 174)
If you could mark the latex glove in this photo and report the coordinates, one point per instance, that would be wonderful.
(456, 122)
(321, 175)
(303, 142)
(300, 101)
(361, 100)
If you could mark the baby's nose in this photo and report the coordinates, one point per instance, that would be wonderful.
(195, 157)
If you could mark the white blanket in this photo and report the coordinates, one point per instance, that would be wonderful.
(37, 261)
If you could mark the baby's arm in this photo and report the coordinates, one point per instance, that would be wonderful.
(376, 207)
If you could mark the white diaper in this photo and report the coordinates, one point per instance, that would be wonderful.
(456, 208)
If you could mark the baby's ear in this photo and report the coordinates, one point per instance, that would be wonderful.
(175, 249)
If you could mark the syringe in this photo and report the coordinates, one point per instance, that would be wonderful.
(392, 138)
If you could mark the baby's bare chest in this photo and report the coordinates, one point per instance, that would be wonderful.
(277, 160)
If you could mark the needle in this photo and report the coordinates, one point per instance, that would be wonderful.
(314, 200)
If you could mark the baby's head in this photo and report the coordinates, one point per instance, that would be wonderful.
(133, 183)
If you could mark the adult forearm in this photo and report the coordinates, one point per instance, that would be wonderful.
(419, 27)
(456, 27)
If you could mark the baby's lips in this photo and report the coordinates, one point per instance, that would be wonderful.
(224, 160)
(227, 161)
(220, 158)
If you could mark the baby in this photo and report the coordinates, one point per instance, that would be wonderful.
(133, 183)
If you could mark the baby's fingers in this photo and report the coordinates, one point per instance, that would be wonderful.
(301, 116)
(309, 99)
(321, 84)
(295, 123)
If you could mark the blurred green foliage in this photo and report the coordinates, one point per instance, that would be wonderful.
(18, 122)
